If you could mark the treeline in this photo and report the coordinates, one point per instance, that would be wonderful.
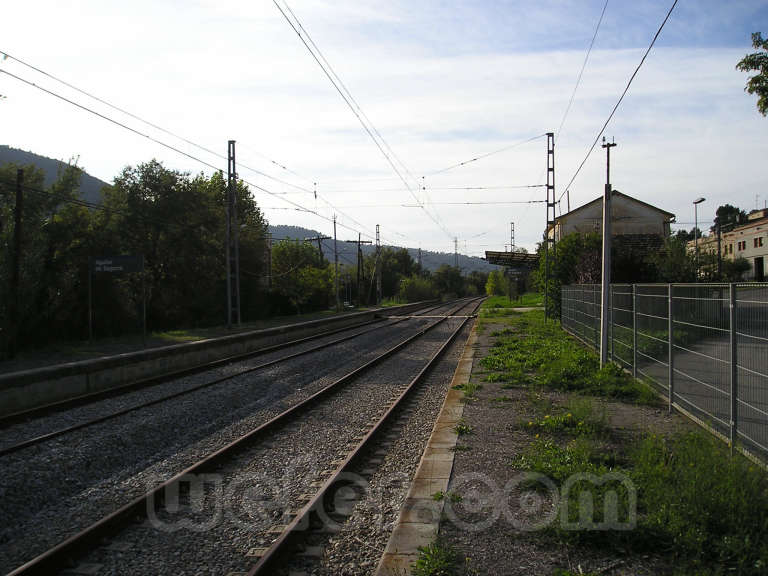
(175, 220)
(303, 278)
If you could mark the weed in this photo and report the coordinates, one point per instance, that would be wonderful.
(436, 559)
(707, 506)
(462, 428)
(501, 399)
(461, 448)
(452, 497)
(469, 388)
(580, 418)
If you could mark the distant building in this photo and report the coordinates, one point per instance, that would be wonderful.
(748, 241)
(630, 217)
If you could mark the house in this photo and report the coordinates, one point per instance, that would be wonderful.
(748, 241)
(629, 217)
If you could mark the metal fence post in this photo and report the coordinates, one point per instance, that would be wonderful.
(596, 319)
(610, 322)
(734, 367)
(634, 331)
(670, 337)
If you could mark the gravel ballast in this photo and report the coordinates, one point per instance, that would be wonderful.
(52, 490)
(266, 481)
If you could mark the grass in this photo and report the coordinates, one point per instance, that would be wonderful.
(452, 497)
(469, 388)
(533, 351)
(436, 559)
(580, 417)
(462, 428)
(702, 508)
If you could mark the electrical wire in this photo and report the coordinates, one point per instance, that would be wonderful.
(581, 72)
(347, 100)
(626, 89)
(465, 162)
(161, 129)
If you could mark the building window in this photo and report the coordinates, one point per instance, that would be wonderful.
(742, 245)
(758, 242)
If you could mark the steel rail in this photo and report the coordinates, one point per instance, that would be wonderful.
(83, 399)
(63, 554)
(275, 555)
(116, 414)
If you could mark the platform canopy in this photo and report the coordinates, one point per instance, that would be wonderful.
(515, 260)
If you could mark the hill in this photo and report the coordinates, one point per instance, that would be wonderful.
(430, 260)
(90, 187)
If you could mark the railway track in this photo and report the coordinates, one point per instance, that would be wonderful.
(47, 409)
(74, 546)
(112, 414)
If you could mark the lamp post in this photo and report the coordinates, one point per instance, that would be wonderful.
(696, 232)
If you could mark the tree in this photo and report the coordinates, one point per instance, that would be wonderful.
(496, 284)
(684, 236)
(757, 62)
(301, 276)
(674, 263)
(728, 217)
(448, 281)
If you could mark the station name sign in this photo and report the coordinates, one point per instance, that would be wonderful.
(115, 264)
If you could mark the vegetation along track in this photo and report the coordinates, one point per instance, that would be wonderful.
(18, 439)
(74, 544)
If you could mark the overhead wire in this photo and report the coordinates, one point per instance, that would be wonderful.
(581, 72)
(369, 130)
(161, 129)
(482, 156)
(621, 98)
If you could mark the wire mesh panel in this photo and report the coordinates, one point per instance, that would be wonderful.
(702, 352)
(719, 332)
(652, 317)
(581, 311)
(751, 313)
(622, 325)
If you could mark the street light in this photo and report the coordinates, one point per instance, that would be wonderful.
(696, 232)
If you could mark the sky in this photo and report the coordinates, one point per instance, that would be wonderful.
(441, 82)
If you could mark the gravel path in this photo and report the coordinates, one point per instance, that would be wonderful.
(496, 526)
(49, 491)
(264, 482)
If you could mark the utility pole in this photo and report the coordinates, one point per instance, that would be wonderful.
(378, 266)
(606, 276)
(549, 242)
(13, 316)
(232, 240)
(455, 252)
(336, 265)
(719, 254)
(319, 240)
(359, 241)
(419, 257)
(512, 236)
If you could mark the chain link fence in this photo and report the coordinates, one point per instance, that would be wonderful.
(704, 346)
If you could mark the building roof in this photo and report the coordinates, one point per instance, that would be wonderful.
(518, 260)
(599, 200)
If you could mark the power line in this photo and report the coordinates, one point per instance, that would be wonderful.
(610, 116)
(581, 72)
(444, 188)
(108, 119)
(157, 127)
(369, 130)
(144, 121)
(458, 165)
